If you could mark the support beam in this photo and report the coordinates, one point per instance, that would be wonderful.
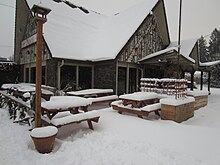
(201, 81)
(127, 79)
(209, 81)
(179, 38)
(192, 81)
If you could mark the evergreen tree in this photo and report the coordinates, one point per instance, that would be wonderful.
(214, 54)
(214, 45)
(215, 80)
(203, 50)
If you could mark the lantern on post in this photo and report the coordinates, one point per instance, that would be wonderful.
(40, 17)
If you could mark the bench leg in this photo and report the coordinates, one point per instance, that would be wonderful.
(90, 124)
(157, 112)
(140, 116)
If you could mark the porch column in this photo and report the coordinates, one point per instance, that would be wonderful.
(209, 81)
(127, 78)
(93, 75)
(77, 76)
(192, 80)
(201, 81)
(116, 78)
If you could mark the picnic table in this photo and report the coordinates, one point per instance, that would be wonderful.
(63, 110)
(96, 95)
(139, 99)
(20, 89)
(138, 103)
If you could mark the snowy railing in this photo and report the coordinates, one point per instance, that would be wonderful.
(177, 87)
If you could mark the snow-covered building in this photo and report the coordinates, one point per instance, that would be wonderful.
(90, 50)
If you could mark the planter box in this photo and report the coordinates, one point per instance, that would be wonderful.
(201, 98)
(177, 113)
(200, 101)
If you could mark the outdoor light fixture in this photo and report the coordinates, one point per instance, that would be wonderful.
(40, 17)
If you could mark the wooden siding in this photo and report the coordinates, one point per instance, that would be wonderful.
(146, 40)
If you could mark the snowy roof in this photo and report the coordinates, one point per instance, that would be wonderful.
(167, 50)
(72, 34)
(186, 47)
(209, 63)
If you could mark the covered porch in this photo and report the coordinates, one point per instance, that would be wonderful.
(168, 63)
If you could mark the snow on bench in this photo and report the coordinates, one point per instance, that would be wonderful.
(140, 112)
(90, 92)
(109, 99)
(151, 107)
(65, 118)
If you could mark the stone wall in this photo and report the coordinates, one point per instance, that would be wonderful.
(104, 76)
(51, 73)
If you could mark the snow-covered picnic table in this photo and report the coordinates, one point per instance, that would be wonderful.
(96, 95)
(138, 103)
(63, 110)
(139, 99)
(64, 103)
(22, 88)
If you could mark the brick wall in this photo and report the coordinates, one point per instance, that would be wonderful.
(104, 76)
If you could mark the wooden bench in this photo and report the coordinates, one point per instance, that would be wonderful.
(140, 112)
(109, 99)
(66, 118)
(156, 107)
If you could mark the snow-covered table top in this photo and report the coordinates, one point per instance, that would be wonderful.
(90, 92)
(25, 87)
(65, 102)
(22, 87)
(139, 96)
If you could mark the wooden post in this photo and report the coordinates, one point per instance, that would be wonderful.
(179, 38)
(38, 73)
(192, 80)
(209, 81)
(201, 81)
(40, 14)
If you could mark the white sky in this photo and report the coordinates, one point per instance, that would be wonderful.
(199, 17)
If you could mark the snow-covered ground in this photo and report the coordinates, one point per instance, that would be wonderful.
(121, 139)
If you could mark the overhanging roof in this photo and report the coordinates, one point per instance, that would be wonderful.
(71, 34)
(171, 51)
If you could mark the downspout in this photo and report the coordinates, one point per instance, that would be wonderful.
(201, 81)
(127, 78)
(116, 78)
(209, 82)
(59, 73)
